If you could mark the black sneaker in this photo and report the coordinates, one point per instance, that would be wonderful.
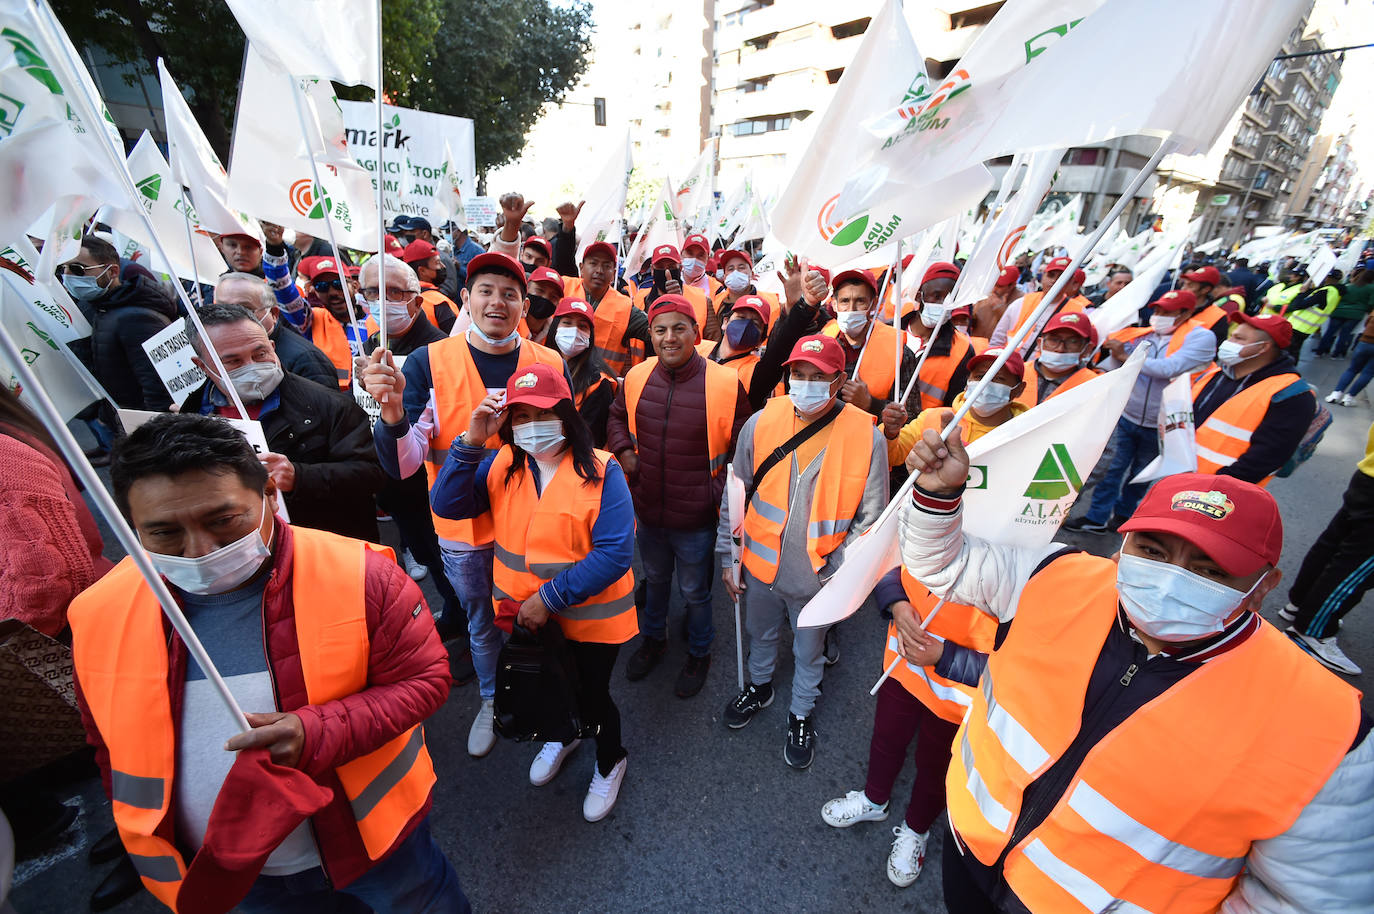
(1114, 525)
(800, 749)
(831, 652)
(693, 676)
(460, 663)
(751, 701)
(1083, 525)
(645, 658)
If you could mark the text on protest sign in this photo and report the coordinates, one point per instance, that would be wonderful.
(413, 153)
(171, 353)
(481, 211)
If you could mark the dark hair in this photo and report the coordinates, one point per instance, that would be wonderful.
(101, 250)
(854, 282)
(175, 443)
(579, 440)
(494, 268)
(16, 415)
(217, 315)
(587, 366)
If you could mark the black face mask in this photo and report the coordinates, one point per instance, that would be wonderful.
(440, 275)
(661, 277)
(541, 307)
(529, 267)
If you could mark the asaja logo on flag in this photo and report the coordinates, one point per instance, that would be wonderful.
(526, 380)
(150, 186)
(1211, 504)
(1055, 477)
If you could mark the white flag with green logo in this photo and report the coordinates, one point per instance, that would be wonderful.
(269, 165)
(660, 226)
(1024, 477)
(64, 378)
(887, 71)
(696, 193)
(603, 210)
(52, 307)
(331, 39)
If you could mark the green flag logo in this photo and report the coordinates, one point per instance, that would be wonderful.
(1055, 477)
(150, 186)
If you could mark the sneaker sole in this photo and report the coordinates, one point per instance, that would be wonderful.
(798, 767)
(744, 723)
(569, 750)
(835, 824)
(1293, 636)
(902, 882)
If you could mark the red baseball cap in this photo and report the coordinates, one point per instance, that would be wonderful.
(601, 247)
(1075, 321)
(539, 385)
(1057, 265)
(863, 276)
(698, 241)
(665, 252)
(940, 270)
(313, 268)
(756, 304)
(1278, 328)
(545, 274)
(743, 255)
(961, 311)
(1209, 276)
(1014, 363)
(575, 306)
(496, 262)
(1236, 523)
(352, 270)
(393, 246)
(668, 304)
(1008, 276)
(1176, 300)
(418, 251)
(541, 243)
(1079, 277)
(820, 350)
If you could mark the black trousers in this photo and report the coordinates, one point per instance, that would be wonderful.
(599, 713)
(1295, 346)
(1339, 567)
(963, 895)
(407, 501)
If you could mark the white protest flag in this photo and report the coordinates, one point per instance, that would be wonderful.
(887, 71)
(730, 215)
(1208, 247)
(62, 227)
(330, 39)
(1178, 444)
(603, 212)
(1024, 476)
(1159, 83)
(1320, 264)
(159, 198)
(1122, 309)
(1349, 258)
(697, 190)
(194, 163)
(755, 218)
(61, 375)
(52, 308)
(269, 167)
(660, 226)
(1054, 228)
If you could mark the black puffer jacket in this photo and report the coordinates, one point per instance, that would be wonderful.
(123, 318)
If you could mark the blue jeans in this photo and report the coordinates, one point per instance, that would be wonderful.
(1136, 446)
(692, 553)
(1359, 371)
(415, 878)
(1336, 339)
(470, 574)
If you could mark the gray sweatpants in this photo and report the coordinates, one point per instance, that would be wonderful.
(764, 612)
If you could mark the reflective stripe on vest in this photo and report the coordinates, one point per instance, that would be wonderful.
(836, 495)
(1226, 434)
(610, 323)
(722, 394)
(877, 369)
(957, 623)
(457, 387)
(1162, 811)
(328, 334)
(542, 534)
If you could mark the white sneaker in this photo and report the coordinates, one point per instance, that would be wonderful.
(854, 806)
(1334, 396)
(907, 856)
(602, 793)
(416, 571)
(549, 761)
(1326, 652)
(1348, 400)
(482, 736)
(1289, 613)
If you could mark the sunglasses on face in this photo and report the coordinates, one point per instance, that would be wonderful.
(324, 285)
(81, 269)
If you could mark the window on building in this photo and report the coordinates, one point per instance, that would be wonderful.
(754, 85)
(1084, 157)
(767, 124)
(850, 29)
(760, 42)
(833, 76)
(1277, 69)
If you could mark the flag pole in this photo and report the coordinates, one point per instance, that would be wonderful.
(382, 336)
(892, 667)
(897, 324)
(76, 458)
(89, 112)
(876, 312)
(190, 246)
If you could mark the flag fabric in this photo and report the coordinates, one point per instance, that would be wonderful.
(194, 163)
(329, 39)
(1122, 309)
(1178, 443)
(1053, 228)
(53, 309)
(448, 198)
(1024, 476)
(887, 71)
(603, 212)
(754, 224)
(695, 195)
(1349, 258)
(58, 370)
(1321, 264)
(269, 168)
(730, 213)
(1070, 53)
(161, 200)
(660, 226)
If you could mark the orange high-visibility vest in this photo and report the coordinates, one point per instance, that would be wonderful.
(722, 393)
(958, 622)
(1212, 315)
(839, 489)
(1225, 436)
(877, 369)
(1175, 339)
(539, 536)
(1161, 813)
(1031, 394)
(327, 333)
(691, 293)
(431, 299)
(610, 321)
(458, 388)
(603, 378)
(120, 654)
(718, 300)
(1031, 300)
(938, 371)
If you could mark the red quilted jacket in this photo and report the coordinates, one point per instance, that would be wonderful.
(408, 679)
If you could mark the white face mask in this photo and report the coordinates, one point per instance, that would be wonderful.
(810, 397)
(571, 340)
(1059, 361)
(991, 399)
(491, 340)
(397, 316)
(1162, 323)
(933, 313)
(852, 322)
(736, 281)
(82, 288)
(1170, 603)
(693, 268)
(1229, 353)
(219, 571)
(256, 380)
(540, 438)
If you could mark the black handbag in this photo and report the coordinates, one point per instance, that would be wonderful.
(537, 691)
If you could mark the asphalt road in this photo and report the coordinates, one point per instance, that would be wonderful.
(709, 818)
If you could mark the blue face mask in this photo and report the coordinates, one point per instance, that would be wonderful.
(742, 334)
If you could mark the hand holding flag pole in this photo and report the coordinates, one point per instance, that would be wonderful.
(892, 667)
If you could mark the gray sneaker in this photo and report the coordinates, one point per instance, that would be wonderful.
(1326, 652)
